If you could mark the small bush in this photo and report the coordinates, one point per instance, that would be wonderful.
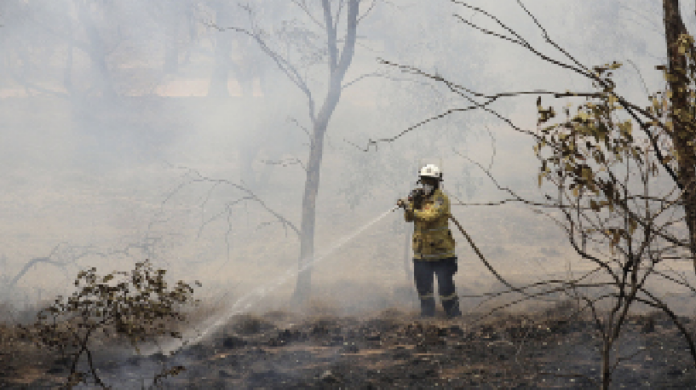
(136, 305)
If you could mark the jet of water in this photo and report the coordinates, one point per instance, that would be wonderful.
(247, 301)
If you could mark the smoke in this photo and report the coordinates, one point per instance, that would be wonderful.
(249, 300)
(128, 132)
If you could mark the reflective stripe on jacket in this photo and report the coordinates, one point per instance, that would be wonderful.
(432, 239)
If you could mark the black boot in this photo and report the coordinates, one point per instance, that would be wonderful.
(427, 307)
(451, 307)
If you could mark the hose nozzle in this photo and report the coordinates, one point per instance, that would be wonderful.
(401, 203)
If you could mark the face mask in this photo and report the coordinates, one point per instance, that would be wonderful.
(428, 189)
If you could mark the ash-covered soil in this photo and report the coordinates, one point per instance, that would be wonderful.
(388, 350)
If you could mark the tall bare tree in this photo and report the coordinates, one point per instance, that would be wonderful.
(338, 63)
(337, 54)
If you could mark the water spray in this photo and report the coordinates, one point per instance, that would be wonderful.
(251, 298)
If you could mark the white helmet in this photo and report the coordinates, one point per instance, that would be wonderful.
(430, 170)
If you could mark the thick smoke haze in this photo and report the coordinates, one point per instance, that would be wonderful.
(154, 129)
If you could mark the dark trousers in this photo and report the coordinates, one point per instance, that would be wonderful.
(445, 269)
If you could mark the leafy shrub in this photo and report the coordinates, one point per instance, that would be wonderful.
(137, 305)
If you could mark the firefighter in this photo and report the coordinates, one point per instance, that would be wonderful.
(433, 245)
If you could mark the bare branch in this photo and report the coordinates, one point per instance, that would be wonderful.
(518, 40)
(290, 71)
(362, 77)
(551, 41)
(194, 176)
(302, 4)
(330, 36)
(31, 263)
(286, 162)
(349, 44)
(367, 12)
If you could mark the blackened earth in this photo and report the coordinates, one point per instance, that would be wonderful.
(390, 350)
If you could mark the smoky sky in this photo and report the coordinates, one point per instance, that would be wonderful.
(126, 134)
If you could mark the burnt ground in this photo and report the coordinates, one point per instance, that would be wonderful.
(389, 350)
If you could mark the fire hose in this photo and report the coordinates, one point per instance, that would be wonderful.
(483, 259)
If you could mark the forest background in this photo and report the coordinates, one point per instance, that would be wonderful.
(134, 129)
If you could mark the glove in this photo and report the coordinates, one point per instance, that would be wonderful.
(402, 203)
(416, 196)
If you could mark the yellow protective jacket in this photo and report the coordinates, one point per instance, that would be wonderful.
(432, 239)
